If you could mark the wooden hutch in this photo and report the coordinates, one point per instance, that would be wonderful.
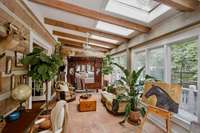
(87, 64)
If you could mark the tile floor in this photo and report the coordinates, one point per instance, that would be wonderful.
(101, 121)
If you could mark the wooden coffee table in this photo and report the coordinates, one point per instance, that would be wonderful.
(86, 105)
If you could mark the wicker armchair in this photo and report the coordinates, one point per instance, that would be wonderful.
(65, 91)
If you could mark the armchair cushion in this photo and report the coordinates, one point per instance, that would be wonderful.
(120, 90)
(64, 87)
(57, 116)
(108, 99)
(59, 120)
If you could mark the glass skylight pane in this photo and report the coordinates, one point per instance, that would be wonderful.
(113, 28)
(104, 39)
(116, 6)
(146, 5)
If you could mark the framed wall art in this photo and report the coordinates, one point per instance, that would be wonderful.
(8, 65)
(18, 57)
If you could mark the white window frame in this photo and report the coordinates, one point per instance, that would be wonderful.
(166, 42)
(120, 55)
(133, 55)
(147, 58)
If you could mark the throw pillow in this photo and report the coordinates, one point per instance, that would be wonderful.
(64, 87)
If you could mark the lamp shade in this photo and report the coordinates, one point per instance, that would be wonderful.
(21, 93)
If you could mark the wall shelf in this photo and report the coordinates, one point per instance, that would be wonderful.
(4, 95)
(5, 109)
(22, 72)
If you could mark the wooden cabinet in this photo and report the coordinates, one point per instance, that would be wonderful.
(76, 64)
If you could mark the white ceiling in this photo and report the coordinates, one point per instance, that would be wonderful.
(41, 11)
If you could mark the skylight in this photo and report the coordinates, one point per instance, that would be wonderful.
(104, 39)
(134, 9)
(113, 28)
(146, 5)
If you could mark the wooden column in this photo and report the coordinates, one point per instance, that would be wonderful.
(128, 51)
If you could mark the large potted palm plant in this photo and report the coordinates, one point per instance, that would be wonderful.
(133, 110)
(43, 68)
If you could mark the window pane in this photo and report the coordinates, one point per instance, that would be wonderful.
(184, 62)
(141, 4)
(139, 61)
(156, 63)
(117, 73)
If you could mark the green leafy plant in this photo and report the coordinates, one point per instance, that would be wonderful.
(107, 67)
(110, 88)
(131, 80)
(43, 68)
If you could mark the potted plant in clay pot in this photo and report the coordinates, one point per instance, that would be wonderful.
(43, 68)
(133, 109)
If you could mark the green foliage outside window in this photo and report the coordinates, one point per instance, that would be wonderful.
(184, 62)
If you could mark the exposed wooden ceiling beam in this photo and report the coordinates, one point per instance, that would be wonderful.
(182, 5)
(68, 7)
(83, 39)
(77, 49)
(69, 26)
(80, 45)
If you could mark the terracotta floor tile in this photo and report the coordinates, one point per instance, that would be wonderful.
(101, 121)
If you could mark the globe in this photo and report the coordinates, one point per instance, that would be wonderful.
(21, 93)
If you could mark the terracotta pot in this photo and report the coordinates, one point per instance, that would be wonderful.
(134, 116)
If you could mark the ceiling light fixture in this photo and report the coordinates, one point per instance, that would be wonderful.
(86, 46)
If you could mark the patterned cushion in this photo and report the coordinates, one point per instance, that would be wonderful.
(120, 90)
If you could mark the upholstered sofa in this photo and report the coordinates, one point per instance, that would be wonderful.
(109, 100)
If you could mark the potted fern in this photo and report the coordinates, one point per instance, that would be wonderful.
(43, 68)
(133, 110)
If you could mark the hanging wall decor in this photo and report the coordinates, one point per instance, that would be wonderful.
(163, 95)
(18, 57)
(8, 65)
(12, 81)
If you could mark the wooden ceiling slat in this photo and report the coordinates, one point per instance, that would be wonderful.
(67, 47)
(69, 26)
(79, 44)
(75, 9)
(81, 38)
(182, 5)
